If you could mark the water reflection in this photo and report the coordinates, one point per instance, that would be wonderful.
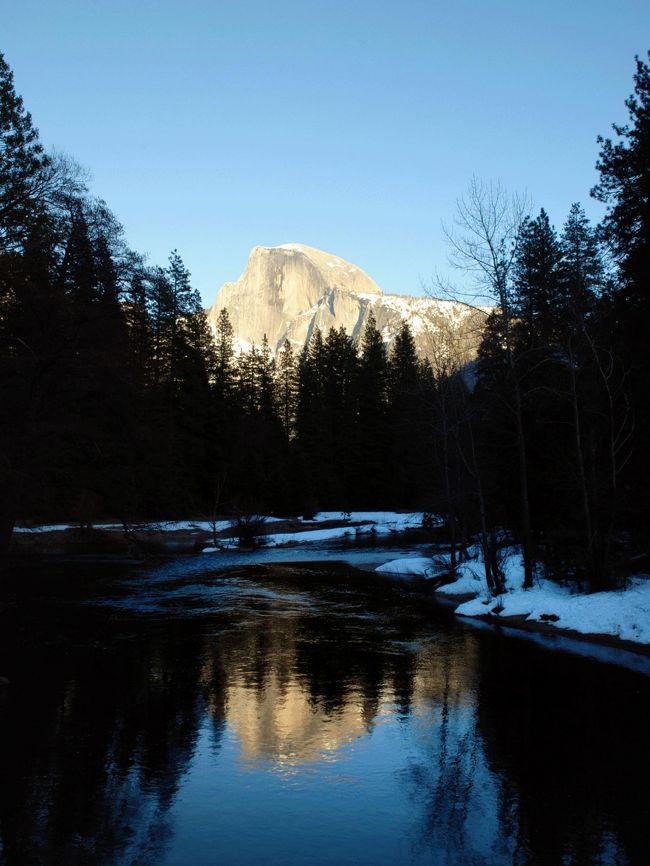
(261, 722)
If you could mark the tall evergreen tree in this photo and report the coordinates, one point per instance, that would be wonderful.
(224, 367)
(624, 186)
(535, 284)
(23, 165)
(311, 420)
(340, 396)
(372, 446)
(287, 388)
(581, 271)
(403, 366)
(409, 449)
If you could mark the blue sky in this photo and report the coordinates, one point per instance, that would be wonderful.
(214, 126)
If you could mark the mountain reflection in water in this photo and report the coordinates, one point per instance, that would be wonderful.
(293, 715)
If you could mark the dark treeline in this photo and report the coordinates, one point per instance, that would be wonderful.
(118, 401)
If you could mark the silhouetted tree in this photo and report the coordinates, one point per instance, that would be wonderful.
(484, 243)
(624, 186)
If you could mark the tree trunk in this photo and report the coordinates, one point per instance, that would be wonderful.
(582, 475)
(7, 514)
(523, 488)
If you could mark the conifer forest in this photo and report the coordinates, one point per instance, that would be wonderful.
(118, 402)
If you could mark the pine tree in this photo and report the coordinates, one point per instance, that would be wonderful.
(372, 442)
(178, 280)
(311, 392)
(581, 270)
(224, 370)
(136, 312)
(287, 388)
(265, 374)
(23, 165)
(161, 311)
(535, 284)
(624, 187)
(373, 373)
(403, 366)
(407, 425)
(340, 395)
(311, 419)
(248, 380)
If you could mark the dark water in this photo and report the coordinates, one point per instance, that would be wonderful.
(304, 715)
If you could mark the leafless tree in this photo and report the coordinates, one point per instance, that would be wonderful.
(483, 241)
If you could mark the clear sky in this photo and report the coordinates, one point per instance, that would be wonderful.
(350, 125)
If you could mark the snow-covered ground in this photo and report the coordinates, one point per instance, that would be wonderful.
(383, 522)
(387, 519)
(623, 613)
(422, 566)
(164, 526)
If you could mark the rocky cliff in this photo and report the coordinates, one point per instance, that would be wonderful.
(286, 292)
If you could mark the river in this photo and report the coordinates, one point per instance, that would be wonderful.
(212, 710)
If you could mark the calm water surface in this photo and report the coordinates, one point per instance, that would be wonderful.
(304, 714)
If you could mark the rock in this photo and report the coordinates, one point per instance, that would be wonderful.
(286, 292)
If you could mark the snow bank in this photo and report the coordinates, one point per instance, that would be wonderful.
(382, 523)
(163, 526)
(307, 535)
(470, 580)
(60, 527)
(422, 566)
(469, 576)
(624, 613)
(382, 520)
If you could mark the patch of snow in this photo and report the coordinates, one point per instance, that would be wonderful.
(383, 521)
(624, 613)
(308, 535)
(163, 526)
(470, 580)
(50, 527)
(422, 566)
(240, 345)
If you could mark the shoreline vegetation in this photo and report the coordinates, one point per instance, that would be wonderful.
(546, 609)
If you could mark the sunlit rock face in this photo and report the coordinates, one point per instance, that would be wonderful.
(286, 292)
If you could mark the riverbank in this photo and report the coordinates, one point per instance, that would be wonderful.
(109, 544)
(617, 618)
